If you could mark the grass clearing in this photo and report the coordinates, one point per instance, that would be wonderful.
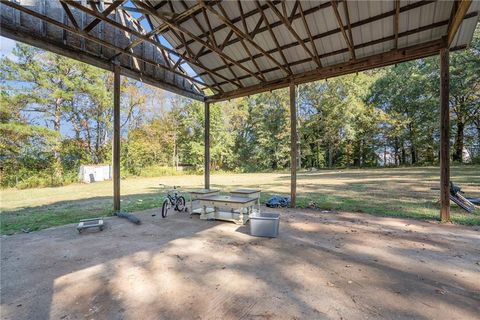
(398, 192)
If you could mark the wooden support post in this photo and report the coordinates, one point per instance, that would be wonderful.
(293, 146)
(207, 145)
(116, 139)
(444, 136)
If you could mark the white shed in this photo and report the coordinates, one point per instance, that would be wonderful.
(94, 173)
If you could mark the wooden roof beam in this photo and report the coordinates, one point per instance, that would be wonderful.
(179, 28)
(374, 42)
(309, 33)
(396, 22)
(69, 14)
(275, 40)
(89, 37)
(101, 16)
(245, 47)
(334, 31)
(350, 34)
(342, 28)
(214, 41)
(378, 17)
(292, 31)
(461, 10)
(275, 24)
(106, 12)
(375, 61)
(243, 35)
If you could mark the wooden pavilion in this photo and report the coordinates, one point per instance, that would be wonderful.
(218, 50)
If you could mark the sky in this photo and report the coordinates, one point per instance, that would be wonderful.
(6, 47)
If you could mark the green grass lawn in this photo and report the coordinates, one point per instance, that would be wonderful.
(400, 192)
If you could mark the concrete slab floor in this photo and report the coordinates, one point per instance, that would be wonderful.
(322, 266)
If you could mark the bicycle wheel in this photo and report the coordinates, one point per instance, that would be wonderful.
(165, 208)
(180, 204)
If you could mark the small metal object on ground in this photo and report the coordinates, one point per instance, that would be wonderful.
(265, 225)
(90, 223)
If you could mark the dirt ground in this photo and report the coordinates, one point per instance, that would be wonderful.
(322, 266)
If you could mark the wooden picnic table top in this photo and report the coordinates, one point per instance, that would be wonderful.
(246, 191)
(203, 191)
(230, 199)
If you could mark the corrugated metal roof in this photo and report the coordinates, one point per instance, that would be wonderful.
(235, 58)
(332, 47)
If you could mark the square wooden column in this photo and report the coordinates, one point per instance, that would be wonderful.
(293, 147)
(116, 139)
(444, 136)
(207, 145)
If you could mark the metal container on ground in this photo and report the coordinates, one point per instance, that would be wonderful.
(265, 225)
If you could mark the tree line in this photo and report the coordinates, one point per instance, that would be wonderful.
(56, 114)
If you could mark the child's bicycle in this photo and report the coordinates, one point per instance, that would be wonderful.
(174, 200)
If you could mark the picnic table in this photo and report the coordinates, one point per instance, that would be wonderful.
(247, 193)
(238, 209)
(199, 193)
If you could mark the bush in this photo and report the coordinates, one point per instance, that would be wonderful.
(158, 171)
(46, 179)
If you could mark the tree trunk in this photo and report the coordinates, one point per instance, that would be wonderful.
(413, 152)
(458, 154)
(330, 156)
(385, 155)
(397, 160)
(362, 142)
(56, 150)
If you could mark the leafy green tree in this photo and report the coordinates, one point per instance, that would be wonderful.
(465, 92)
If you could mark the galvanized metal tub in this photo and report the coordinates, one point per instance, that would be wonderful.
(265, 225)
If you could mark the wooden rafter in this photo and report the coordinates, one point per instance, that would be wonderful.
(373, 42)
(106, 12)
(356, 24)
(178, 18)
(335, 31)
(375, 61)
(342, 28)
(164, 54)
(69, 14)
(257, 27)
(245, 47)
(272, 25)
(287, 24)
(274, 38)
(243, 35)
(294, 11)
(196, 38)
(350, 34)
(213, 41)
(456, 21)
(154, 33)
(209, 41)
(101, 16)
(229, 35)
(396, 23)
(185, 7)
(93, 39)
(305, 24)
